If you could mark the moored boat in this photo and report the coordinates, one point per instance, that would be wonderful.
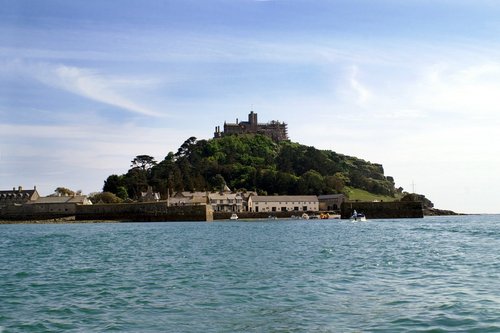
(358, 217)
(234, 216)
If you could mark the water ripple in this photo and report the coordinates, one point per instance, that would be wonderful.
(430, 275)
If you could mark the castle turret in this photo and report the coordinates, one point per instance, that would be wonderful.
(252, 120)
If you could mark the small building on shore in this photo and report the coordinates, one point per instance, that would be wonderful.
(330, 202)
(186, 198)
(64, 204)
(226, 202)
(283, 203)
(18, 196)
(150, 196)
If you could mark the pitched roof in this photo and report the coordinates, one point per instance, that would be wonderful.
(76, 199)
(330, 196)
(30, 192)
(17, 194)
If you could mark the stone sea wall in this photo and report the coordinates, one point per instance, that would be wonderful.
(36, 211)
(384, 210)
(140, 212)
(143, 212)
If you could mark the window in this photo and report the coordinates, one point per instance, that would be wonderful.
(296, 209)
(273, 209)
(283, 209)
(304, 208)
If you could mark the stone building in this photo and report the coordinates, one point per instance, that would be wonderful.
(64, 204)
(188, 198)
(149, 195)
(330, 202)
(275, 130)
(18, 196)
(283, 203)
(226, 202)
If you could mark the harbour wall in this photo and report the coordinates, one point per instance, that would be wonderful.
(144, 212)
(29, 212)
(138, 212)
(383, 210)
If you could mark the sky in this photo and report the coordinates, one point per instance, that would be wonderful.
(85, 86)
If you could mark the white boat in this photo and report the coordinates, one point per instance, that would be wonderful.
(234, 217)
(305, 216)
(358, 217)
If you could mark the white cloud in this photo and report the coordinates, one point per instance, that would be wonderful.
(362, 93)
(87, 83)
(468, 90)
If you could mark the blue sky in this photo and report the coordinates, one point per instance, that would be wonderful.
(414, 85)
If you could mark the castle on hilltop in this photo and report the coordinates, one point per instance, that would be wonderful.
(275, 130)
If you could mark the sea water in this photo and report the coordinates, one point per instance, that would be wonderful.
(414, 275)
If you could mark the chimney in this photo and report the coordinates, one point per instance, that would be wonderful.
(20, 188)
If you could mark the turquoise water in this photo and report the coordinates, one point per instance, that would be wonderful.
(428, 275)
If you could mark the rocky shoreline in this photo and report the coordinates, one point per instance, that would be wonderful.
(61, 220)
(440, 212)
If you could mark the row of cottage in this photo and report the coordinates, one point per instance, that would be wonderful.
(30, 201)
(224, 201)
(227, 201)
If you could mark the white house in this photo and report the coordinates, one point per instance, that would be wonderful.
(226, 202)
(283, 203)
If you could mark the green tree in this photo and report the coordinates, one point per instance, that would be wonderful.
(63, 191)
(113, 183)
(144, 162)
(104, 197)
(311, 182)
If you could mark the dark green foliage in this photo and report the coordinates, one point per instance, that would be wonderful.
(104, 197)
(252, 162)
(418, 197)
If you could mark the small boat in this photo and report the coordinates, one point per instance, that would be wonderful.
(305, 216)
(272, 217)
(234, 217)
(358, 217)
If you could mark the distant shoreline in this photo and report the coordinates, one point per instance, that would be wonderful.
(55, 221)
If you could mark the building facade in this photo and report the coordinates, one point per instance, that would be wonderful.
(18, 196)
(275, 130)
(330, 202)
(226, 202)
(65, 204)
(283, 203)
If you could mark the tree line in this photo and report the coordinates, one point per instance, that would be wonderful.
(249, 163)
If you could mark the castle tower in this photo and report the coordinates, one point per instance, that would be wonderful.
(252, 121)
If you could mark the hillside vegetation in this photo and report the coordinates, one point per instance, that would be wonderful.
(253, 163)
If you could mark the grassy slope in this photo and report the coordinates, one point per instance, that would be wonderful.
(361, 195)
